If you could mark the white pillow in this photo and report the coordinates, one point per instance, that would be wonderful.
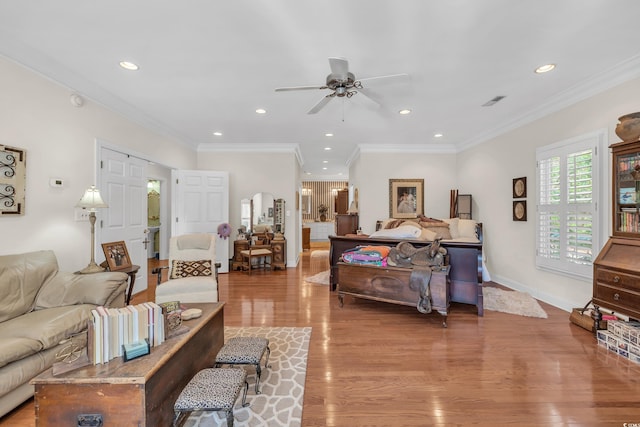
(402, 232)
(467, 228)
(453, 227)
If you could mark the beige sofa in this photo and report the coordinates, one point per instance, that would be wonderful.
(40, 309)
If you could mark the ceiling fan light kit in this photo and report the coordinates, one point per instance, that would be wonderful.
(342, 83)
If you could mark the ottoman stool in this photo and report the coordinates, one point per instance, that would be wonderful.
(212, 390)
(245, 351)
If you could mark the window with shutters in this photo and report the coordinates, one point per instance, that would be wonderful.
(567, 220)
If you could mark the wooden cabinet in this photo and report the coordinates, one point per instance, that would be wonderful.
(306, 238)
(346, 224)
(279, 250)
(342, 201)
(616, 270)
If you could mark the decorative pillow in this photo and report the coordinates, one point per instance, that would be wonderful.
(394, 223)
(467, 228)
(440, 228)
(402, 232)
(427, 234)
(181, 269)
(453, 227)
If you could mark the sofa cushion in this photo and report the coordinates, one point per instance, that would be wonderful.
(48, 326)
(67, 288)
(440, 228)
(453, 227)
(17, 348)
(402, 232)
(21, 277)
(467, 228)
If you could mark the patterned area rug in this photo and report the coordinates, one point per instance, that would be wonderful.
(282, 385)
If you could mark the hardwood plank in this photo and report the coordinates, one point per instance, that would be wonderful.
(377, 364)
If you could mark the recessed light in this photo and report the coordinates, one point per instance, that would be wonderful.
(328, 134)
(405, 111)
(129, 66)
(308, 173)
(325, 161)
(545, 68)
(438, 135)
(327, 148)
(217, 133)
(324, 169)
(261, 111)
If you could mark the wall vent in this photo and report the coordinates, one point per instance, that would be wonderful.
(493, 101)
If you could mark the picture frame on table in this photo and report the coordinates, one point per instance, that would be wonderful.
(116, 255)
(406, 198)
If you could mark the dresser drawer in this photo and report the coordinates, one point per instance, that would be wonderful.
(617, 296)
(617, 279)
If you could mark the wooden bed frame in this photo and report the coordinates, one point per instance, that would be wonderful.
(465, 260)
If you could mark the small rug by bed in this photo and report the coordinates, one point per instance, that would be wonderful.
(319, 253)
(321, 278)
(282, 385)
(512, 302)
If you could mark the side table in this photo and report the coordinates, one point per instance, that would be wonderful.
(131, 271)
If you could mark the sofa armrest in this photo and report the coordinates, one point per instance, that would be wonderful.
(68, 289)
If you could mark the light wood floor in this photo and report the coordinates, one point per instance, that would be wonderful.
(376, 364)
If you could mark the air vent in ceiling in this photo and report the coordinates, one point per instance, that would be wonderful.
(493, 101)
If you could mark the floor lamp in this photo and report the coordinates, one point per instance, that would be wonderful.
(91, 200)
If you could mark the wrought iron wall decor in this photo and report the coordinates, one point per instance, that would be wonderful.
(13, 177)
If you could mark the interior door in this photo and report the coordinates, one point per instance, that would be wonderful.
(123, 186)
(201, 205)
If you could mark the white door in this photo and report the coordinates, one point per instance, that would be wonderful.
(123, 186)
(201, 205)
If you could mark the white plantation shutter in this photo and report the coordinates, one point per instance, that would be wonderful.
(566, 218)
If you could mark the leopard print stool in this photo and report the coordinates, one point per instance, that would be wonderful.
(212, 389)
(245, 351)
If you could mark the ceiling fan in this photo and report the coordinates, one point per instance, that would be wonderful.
(343, 83)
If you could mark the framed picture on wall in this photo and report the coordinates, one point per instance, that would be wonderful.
(520, 210)
(116, 255)
(520, 187)
(406, 198)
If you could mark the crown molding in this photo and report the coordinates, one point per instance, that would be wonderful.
(614, 76)
(407, 148)
(353, 156)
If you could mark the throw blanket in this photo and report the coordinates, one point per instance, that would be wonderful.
(368, 255)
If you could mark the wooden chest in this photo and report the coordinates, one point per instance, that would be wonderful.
(137, 393)
(391, 284)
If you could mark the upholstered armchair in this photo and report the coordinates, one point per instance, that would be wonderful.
(193, 271)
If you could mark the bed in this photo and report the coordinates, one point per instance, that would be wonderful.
(465, 261)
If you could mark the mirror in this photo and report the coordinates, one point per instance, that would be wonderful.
(306, 202)
(262, 211)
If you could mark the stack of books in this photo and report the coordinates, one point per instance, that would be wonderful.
(110, 329)
(622, 338)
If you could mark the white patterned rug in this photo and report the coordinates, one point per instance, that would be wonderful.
(282, 385)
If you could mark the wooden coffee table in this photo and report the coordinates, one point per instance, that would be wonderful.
(140, 392)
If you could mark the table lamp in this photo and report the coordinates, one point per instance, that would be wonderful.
(91, 200)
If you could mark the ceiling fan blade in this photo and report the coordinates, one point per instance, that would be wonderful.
(393, 78)
(320, 105)
(369, 96)
(284, 89)
(339, 66)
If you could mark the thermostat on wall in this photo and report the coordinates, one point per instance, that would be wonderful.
(56, 182)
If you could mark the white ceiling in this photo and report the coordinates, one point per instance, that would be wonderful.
(206, 65)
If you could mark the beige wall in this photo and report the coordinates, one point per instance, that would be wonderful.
(60, 139)
(370, 174)
(254, 172)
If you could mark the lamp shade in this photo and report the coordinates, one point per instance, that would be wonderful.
(91, 200)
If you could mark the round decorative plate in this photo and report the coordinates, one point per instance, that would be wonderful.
(519, 187)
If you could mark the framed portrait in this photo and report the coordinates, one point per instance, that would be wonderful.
(406, 198)
(520, 210)
(520, 187)
(116, 255)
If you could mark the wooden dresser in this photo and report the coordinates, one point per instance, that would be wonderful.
(616, 270)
